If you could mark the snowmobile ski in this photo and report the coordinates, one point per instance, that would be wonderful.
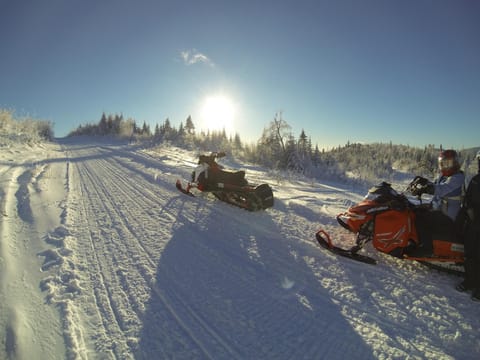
(324, 241)
(186, 191)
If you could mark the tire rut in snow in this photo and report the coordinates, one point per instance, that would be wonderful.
(126, 219)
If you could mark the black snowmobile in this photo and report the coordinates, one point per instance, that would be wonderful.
(228, 186)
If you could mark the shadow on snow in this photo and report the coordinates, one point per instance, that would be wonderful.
(227, 287)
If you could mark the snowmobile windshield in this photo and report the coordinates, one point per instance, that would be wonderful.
(381, 193)
(384, 197)
(372, 196)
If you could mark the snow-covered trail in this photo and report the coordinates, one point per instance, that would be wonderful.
(101, 257)
(166, 276)
(31, 202)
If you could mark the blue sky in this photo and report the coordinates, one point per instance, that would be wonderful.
(406, 71)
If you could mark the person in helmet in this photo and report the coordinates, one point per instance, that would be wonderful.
(471, 237)
(448, 189)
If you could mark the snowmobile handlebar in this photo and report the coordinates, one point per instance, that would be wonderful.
(210, 159)
(419, 185)
(219, 154)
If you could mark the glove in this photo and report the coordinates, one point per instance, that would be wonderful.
(417, 191)
(421, 181)
(427, 188)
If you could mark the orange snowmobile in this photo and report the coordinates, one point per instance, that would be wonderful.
(392, 222)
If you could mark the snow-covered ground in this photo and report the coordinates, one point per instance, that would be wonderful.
(102, 258)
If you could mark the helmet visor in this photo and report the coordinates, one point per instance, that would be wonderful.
(445, 164)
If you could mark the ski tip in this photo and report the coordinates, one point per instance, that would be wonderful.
(178, 185)
(323, 239)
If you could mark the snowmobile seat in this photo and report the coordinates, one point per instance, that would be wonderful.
(230, 177)
(236, 178)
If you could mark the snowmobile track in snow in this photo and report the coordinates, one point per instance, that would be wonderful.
(106, 190)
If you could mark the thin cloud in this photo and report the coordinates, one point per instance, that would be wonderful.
(192, 57)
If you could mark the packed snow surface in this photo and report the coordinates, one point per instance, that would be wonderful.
(102, 258)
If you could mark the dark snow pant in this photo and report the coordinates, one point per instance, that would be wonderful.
(472, 256)
(433, 225)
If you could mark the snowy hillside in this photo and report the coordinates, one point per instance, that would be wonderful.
(102, 258)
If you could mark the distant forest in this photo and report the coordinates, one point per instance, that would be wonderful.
(280, 150)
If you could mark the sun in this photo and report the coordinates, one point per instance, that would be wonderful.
(217, 113)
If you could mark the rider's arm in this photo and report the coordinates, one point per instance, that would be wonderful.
(448, 185)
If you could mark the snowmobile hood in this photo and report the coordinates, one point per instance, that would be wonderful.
(356, 216)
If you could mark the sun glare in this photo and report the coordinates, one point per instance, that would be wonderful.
(218, 113)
